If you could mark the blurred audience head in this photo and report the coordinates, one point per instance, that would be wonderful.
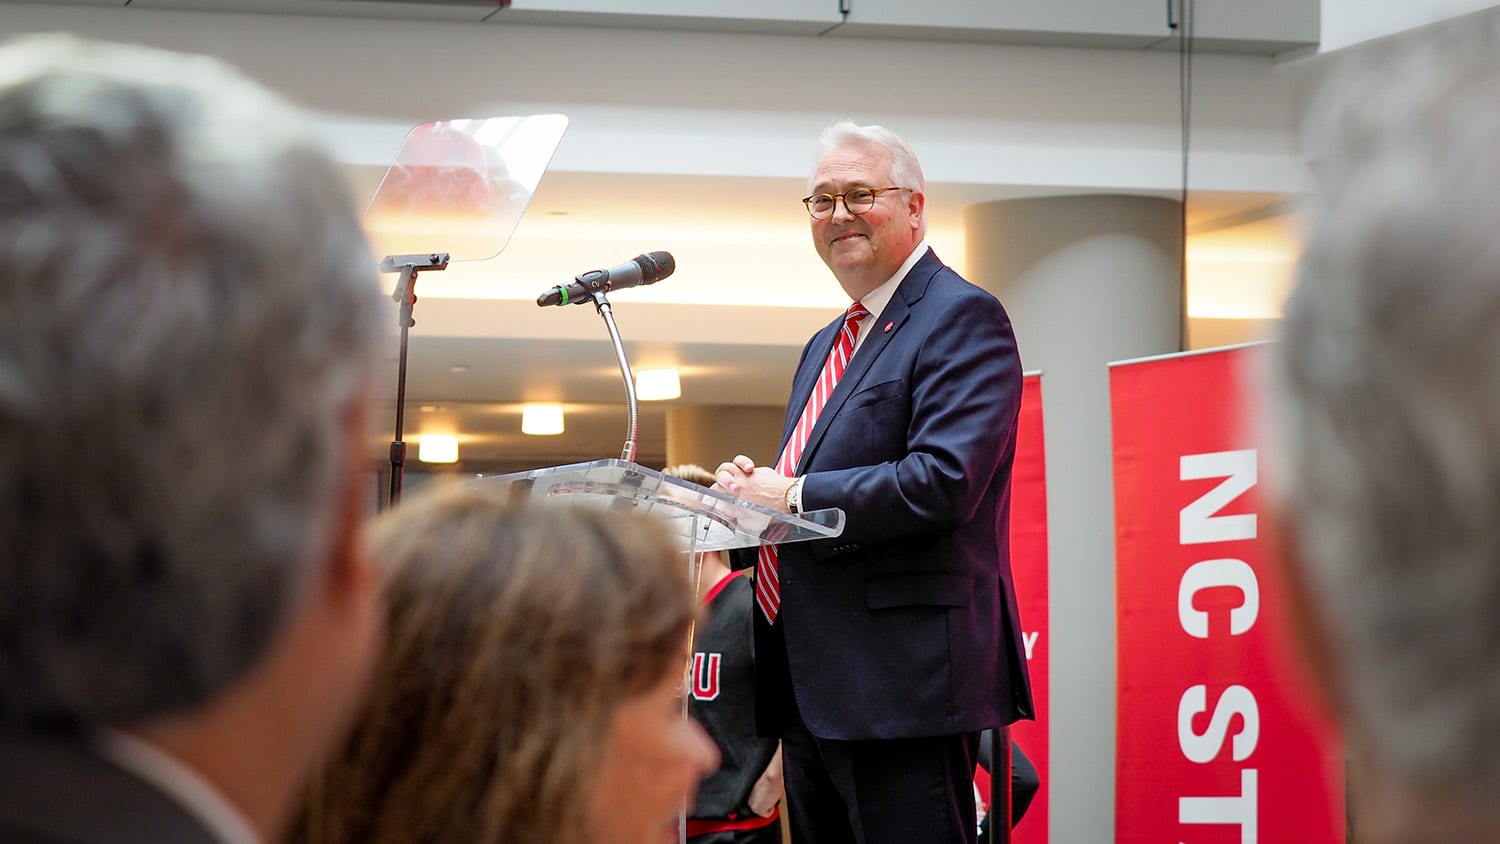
(190, 321)
(708, 567)
(1383, 416)
(690, 472)
(530, 690)
(189, 326)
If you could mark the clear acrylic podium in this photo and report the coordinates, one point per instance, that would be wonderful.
(703, 519)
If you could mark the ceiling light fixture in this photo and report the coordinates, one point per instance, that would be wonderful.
(542, 420)
(657, 385)
(438, 448)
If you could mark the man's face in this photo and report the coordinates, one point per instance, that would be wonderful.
(863, 251)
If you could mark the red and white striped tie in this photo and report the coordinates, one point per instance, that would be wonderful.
(767, 573)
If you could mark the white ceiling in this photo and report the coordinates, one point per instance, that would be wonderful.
(692, 128)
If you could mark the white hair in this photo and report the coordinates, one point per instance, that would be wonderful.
(906, 170)
(1385, 407)
(189, 321)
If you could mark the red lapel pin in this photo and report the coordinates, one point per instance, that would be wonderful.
(889, 326)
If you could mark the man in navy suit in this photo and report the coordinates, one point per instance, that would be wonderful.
(882, 654)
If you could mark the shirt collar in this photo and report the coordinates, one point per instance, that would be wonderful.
(184, 786)
(876, 300)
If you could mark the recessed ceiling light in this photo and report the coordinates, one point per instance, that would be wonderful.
(438, 448)
(657, 384)
(459, 367)
(542, 420)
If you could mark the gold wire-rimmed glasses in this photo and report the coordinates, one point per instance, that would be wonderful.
(857, 201)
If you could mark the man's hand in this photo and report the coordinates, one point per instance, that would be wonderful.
(761, 485)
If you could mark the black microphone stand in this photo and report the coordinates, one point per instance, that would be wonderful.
(405, 295)
(1000, 796)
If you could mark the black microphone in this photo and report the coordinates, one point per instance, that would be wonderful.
(642, 270)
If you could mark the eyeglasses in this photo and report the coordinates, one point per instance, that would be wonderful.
(856, 201)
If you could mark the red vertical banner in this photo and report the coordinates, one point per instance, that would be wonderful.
(1028, 563)
(1219, 736)
(1028, 567)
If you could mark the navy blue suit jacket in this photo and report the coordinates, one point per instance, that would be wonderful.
(56, 789)
(906, 624)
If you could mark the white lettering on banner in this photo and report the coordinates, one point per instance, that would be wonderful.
(1029, 640)
(1203, 747)
(1240, 810)
(1198, 523)
(1207, 575)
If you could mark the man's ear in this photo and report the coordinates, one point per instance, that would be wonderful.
(1309, 627)
(350, 568)
(914, 208)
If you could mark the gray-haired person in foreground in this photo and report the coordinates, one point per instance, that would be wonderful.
(189, 326)
(1385, 422)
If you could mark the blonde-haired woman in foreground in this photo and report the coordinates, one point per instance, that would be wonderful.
(530, 687)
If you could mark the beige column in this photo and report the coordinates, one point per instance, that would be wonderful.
(710, 435)
(1087, 280)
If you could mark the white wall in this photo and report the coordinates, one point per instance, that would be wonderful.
(1347, 22)
(723, 103)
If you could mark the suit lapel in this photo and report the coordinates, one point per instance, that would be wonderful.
(908, 294)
